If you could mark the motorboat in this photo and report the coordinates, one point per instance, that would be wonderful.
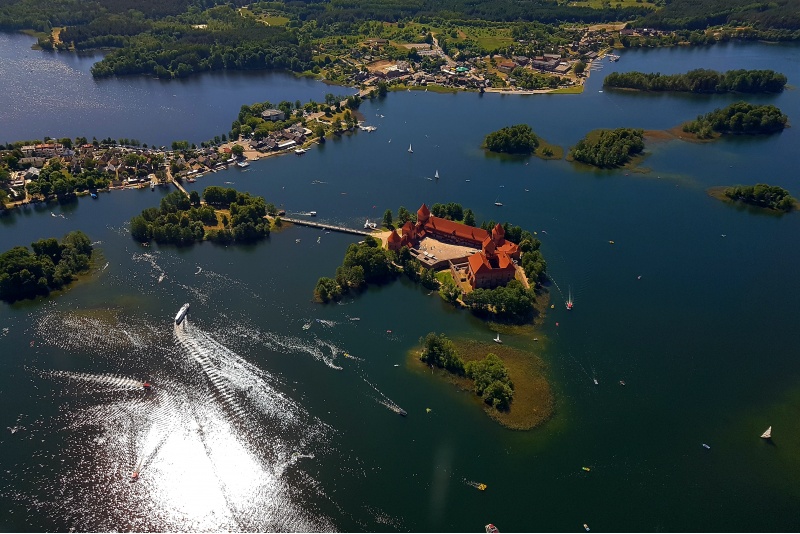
(410, 151)
(243, 164)
(491, 529)
(497, 339)
(182, 313)
(300, 151)
(147, 386)
(312, 213)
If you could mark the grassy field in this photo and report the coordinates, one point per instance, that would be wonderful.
(574, 90)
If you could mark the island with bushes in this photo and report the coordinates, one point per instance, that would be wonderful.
(520, 140)
(50, 266)
(769, 197)
(608, 148)
(226, 216)
(700, 81)
(510, 383)
(738, 118)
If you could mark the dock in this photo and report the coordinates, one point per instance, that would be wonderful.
(331, 227)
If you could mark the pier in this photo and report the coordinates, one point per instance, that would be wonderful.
(331, 227)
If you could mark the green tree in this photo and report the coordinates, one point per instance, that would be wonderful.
(237, 150)
(387, 219)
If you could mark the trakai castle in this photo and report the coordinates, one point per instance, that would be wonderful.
(490, 265)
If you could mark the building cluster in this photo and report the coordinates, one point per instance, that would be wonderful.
(291, 137)
(493, 262)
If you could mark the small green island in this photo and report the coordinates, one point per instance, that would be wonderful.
(608, 149)
(510, 383)
(700, 81)
(769, 197)
(521, 140)
(182, 220)
(52, 265)
(738, 118)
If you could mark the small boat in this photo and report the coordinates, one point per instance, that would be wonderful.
(497, 339)
(312, 213)
(586, 527)
(596, 383)
(402, 412)
(182, 313)
(767, 433)
(491, 529)
(481, 487)
(621, 382)
(410, 151)
(610, 242)
(569, 300)
(586, 469)
(134, 476)
(94, 195)
(706, 446)
(191, 180)
(147, 386)
(296, 240)
(497, 202)
(355, 318)
(437, 174)
(243, 164)
(300, 151)
(152, 186)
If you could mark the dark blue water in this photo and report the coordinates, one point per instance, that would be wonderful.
(256, 422)
(53, 94)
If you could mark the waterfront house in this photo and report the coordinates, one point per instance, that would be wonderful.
(273, 115)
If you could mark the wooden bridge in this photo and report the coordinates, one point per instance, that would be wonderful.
(331, 227)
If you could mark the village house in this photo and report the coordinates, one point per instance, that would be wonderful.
(273, 115)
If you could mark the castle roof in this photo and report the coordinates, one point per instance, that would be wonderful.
(423, 213)
(444, 226)
(394, 237)
(479, 263)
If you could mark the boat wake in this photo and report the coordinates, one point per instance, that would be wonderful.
(384, 400)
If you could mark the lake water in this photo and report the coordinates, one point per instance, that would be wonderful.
(257, 423)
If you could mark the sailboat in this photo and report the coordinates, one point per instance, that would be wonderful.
(569, 300)
(409, 149)
(497, 339)
(497, 202)
(437, 174)
(767, 434)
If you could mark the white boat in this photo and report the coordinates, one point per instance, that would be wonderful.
(370, 225)
(497, 339)
(437, 174)
(312, 213)
(300, 151)
(410, 151)
(767, 433)
(498, 203)
(243, 164)
(182, 313)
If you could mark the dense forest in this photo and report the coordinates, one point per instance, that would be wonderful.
(517, 139)
(739, 117)
(694, 14)
(609, 148)
(701, 81)
(762, 195)
(52, 265)
(182, 221)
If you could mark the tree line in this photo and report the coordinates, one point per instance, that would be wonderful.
(363, 263)
(182, 221)
(26, 274)
(489, 376)
(693, 15)
(762, 195)
(739, 117)
(609, 148)
(701, 81)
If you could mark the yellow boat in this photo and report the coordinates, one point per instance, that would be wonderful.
(481, 487)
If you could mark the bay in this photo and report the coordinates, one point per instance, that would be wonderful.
(257, 423)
